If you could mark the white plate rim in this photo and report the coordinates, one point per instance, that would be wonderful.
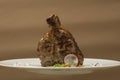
(93, 67)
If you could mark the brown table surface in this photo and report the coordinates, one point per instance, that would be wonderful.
(95, 24)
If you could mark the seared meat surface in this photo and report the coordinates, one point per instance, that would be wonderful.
(56, 44)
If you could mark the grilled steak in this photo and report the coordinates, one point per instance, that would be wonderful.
(57, 45)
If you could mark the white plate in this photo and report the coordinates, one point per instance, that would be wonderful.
(33, 65)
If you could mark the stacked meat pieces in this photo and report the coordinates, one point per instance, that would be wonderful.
(57, 44)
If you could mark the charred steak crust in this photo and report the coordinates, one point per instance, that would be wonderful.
(56, 44)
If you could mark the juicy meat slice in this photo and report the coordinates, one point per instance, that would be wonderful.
(56, 44)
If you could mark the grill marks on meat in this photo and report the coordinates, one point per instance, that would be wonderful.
(56, 44)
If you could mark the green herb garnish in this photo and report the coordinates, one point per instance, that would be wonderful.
(62, 65)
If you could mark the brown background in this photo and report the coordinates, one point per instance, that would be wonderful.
(95, 24)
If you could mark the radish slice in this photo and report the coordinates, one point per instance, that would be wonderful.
(71, 59)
